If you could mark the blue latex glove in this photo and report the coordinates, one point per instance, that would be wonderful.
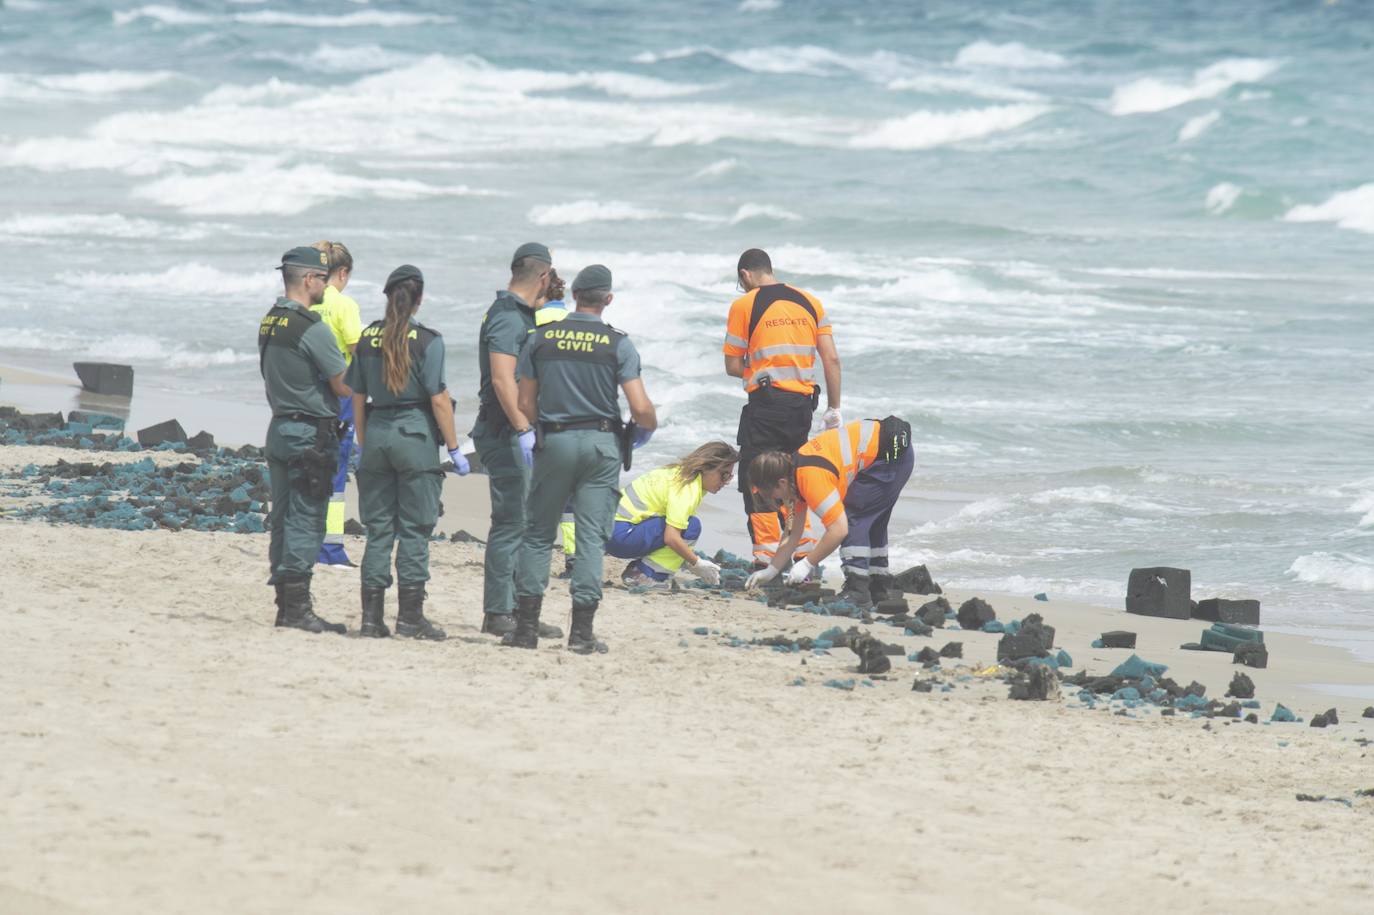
(460, 462)
(527, 446)
(642, 436)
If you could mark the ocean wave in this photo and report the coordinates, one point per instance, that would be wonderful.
(92, 86)
(759, 6)
(1340, 570)
(1011, 56)
(59, 154)
(1222, 197)
(193, 279)
(928, 129)
(1148, 95)
(1352, 209)
(580, 212)
(1197, 126)
(175, 15)
(716, 169)
(795, 60)
(138, 348)
(940, 84)
(750, 211)
(103, 225)
(281, 191)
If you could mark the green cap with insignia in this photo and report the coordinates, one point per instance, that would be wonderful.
(595, 276)
(306, 256)
(403, 272)
(532, 249)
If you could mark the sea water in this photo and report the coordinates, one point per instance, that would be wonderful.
(1110, 259)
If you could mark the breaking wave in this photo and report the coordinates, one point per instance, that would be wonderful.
(1353, 209)
(1148, 95)
(928, 129)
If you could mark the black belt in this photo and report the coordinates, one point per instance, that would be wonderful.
(600, 425)
(305, 418)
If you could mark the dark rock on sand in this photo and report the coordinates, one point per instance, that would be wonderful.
(928, 656)
(933, 612)
(201, 441)
(1035, 625)
(1319, 721)
(353, 529)
(974, 612)
(952, 650)
(1160, 591)
(916, 627)
(1220, 610)
(916, 580)
(1232, 710)
(922, 686)
(1118, 638)
(1368, 712)
(873, 658)
(1037, 683)
(465, 537)
(1251, 654)
(1195, 689)
(1022, 645)
(106, 378)
(1242, 687)
(1332, 717)
(892, 606)
(169, 431)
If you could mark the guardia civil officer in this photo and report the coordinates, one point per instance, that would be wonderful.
(503, 434)
(399, 367)
(303, 372)
(568, 379)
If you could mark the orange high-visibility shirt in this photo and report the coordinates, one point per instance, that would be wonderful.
(775, 328)
(828, 463)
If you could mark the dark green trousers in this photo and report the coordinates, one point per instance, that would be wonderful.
(296, 520)
(508, 478)
(581, 466)
(399, 484)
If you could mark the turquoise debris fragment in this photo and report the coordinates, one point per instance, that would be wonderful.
(1135, 667)
(1282, 713)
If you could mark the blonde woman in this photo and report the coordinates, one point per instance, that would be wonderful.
(656, 525)
(341, 315)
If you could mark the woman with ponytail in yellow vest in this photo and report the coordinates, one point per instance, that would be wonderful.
(342, 316)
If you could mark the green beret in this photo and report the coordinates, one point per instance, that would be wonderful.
(532, 249)
(306, 256)
(403, 272)
(595, 276)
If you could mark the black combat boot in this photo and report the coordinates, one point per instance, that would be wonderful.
(374, 624)
(410, 618)
(855, 590)
(298, 612)
(880, 588)
(526, 632)
(281, 604)
(501, 624)
(581, 638)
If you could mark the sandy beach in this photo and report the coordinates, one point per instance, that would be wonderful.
(167, 748)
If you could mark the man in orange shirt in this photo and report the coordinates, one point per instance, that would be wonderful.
(851, 477)
(772, 339)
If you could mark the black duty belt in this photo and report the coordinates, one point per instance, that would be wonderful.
(600, 425)
(305, 418)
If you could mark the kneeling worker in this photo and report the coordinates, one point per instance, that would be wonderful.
(400, 365)
(851, 478)
(569, 374)
(656, 525)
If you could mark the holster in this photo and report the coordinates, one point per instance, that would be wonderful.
(627, 443)
(319, 463)
(894, 438)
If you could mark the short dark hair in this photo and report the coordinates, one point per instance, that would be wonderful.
(591, 298)
(755, 260)
(293, 275)
(527, 268)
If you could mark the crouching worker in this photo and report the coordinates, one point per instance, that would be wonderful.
(851, 478)
(400, 366)
(655, 524)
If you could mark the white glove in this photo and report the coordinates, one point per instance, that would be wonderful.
(799, 572)
(706, 570)
(760, 578)
(832, 419)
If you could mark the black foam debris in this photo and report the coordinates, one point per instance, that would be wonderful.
(974, 612)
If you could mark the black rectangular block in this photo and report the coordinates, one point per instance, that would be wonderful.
(106, 378)
(170, 431)
(1160, 591)
(1220, 610)
(1118, 638)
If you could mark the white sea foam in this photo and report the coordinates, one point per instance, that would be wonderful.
(717, 168)
(928, 129)
(103, 225)
(1148, 95)
(58, 154)
(580, 212)
(281, 191)
(175, 15)
(193, 279)
(750, 211)
(1197, 126)
(1353, 209)
(272, 90)
(944, 84)
(93, 86)
(759, 6)
(167, 15)
(1222, 197)
(1011, 56)
(802, 60)
(1340, 570)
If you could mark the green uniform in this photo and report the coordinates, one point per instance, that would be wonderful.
(298, 356)
(505, 329)
(580, 363)
(399, 478)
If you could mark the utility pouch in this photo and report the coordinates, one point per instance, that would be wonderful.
(815, 397)
(319, 463)
(894, 438)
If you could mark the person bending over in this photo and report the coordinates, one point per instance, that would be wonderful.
(656, 525)
(851, 478)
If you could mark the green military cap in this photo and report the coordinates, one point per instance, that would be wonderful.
(403, 272)
(532, 249)
(594, 276)
(306, 256)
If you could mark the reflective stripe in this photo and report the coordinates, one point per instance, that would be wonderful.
(860, 571)
(878, 551)
(828, 503)
(846, 451)
(633, 498)
(854, 552)
(650, 564)
(787, 373)
(334, 519)
(732, 340)
(823, 322)
(782, 349)
(866, 432)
